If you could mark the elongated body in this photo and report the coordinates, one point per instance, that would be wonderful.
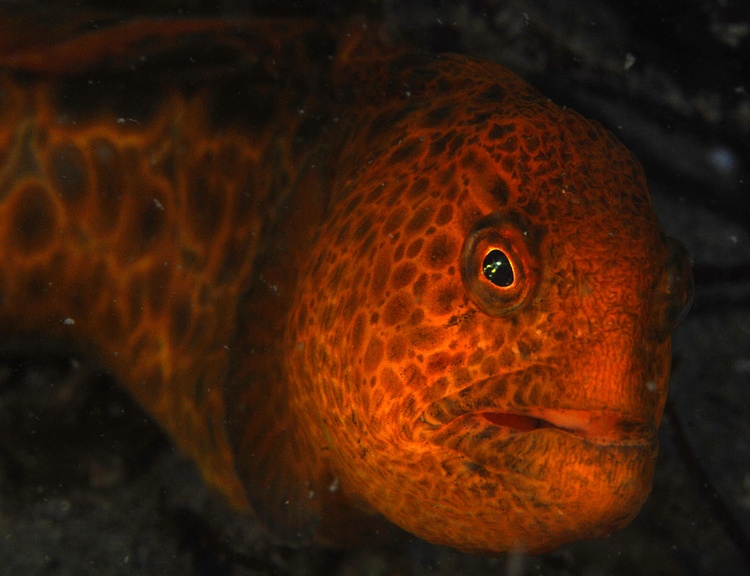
(346, 282)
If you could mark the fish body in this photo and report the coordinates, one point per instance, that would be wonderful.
(348, 281)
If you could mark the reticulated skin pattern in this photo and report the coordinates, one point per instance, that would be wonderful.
(348, 281)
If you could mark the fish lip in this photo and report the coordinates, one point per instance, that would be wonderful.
(492, 413)
(594, 427)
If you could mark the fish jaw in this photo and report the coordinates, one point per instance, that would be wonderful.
(484, 471)
(580, 473)
(513, 493)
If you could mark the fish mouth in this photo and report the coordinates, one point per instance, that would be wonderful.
(585, 423)
(491, 409)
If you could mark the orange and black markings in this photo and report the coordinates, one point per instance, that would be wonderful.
(347, 282)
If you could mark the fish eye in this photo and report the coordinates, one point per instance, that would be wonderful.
(497, 268)
(499, 263)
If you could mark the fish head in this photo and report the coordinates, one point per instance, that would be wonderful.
(486, 352)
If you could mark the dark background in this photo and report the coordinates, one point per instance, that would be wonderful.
(88, 485)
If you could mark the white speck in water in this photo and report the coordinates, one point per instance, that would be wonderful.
(334, 486)
(69, 322)
(274, 288)
(651, 386)
(629, 60)
(158, 204)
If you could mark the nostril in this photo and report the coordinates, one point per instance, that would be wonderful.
(674, 291)
(680, 285)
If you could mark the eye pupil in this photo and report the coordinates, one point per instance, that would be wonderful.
(497, 268)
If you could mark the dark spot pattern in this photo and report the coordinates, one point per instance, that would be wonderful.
(439, 333)
(109, 169)
(403, 275)
(284, 266)
(68, 172)
(33, 219)
(179, 319)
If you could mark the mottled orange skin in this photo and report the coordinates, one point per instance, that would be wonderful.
(283, 263)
